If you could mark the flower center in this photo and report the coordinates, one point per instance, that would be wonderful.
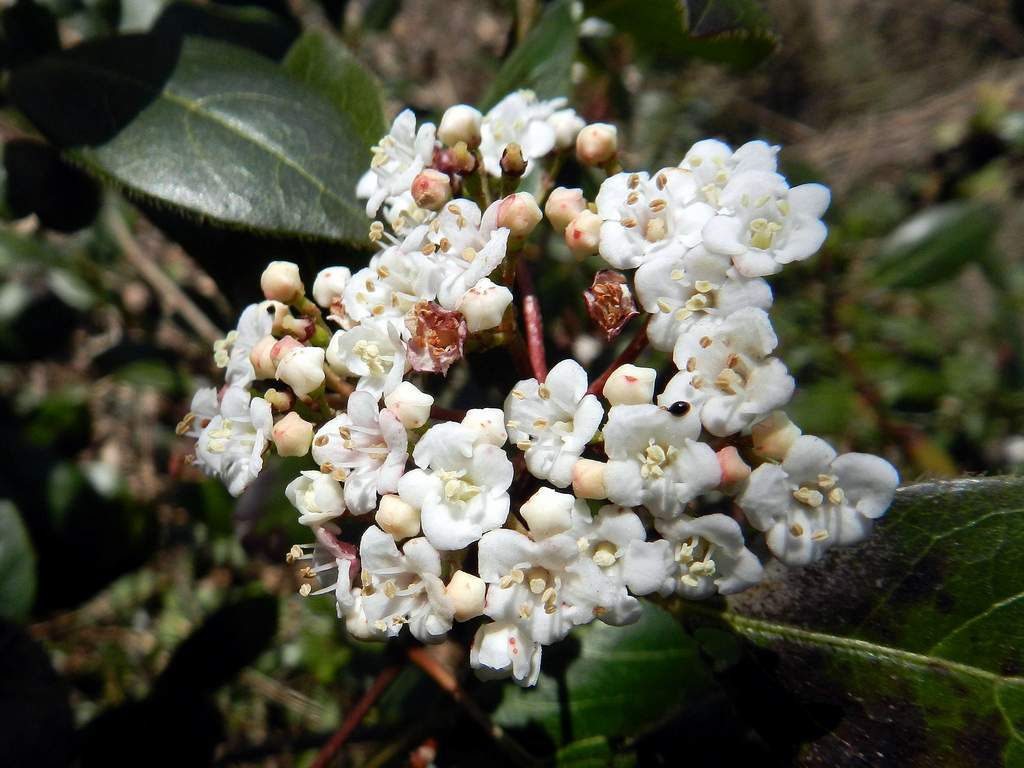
(694, 558)
(455, 488)
(655, 458)
(762, 233)
(370, 353)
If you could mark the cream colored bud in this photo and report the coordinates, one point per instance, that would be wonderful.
(409, 404)
(520, 213)
(564, 205)
(280, 312)
(466, 592)
(734, 469)
(597, 143)
(483, 306)
(261, 358)
(329, 285)
(588, 479)
(583, 234)
(431, 189)
(292, 435)
(567, 125)
(774, 435)
(460, 123)
(487, 425)
(548, 512)
(400, 519)
(280, 281)
(630, 385)
(302, 369)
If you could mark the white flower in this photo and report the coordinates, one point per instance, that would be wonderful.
(644, 218)
(654, 459)
(373, 352)
(403, 587)
(815, 499)
(553, 422)
(504, 649)
(713, 163)
(302, 369)
(709, 555)
(205, 406)
(397, 159)
(395, 280)
(461, 488)
(763, 224)
(725, 372)
(232, 444)
(403, 215)
(232, 352)
(521, 119)
(567, 125)
(329, 285)
(317, 496)
(366, 448)
(467, 246)
(680, 291)
(616, 542)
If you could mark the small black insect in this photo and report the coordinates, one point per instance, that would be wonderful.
(679, 408)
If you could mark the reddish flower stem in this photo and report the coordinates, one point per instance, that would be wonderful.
(628, 355)
(533, 323)
(355, 716)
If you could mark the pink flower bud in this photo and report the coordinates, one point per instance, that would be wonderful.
(774, 435)
(302, 369)
(400, 519)
(483, 306)
(583, 233)
(292, 435)
(734, 469)
(548, 512)
(261, 358)
(281, 348)
(588, 479)
(597, 143)
(280, 281)
(460, 123)
(409, 404)
(520, 213)
(431, 189)
(466, 592)
(563, 206)
(630, 385)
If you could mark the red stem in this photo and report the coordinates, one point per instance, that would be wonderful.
(355, 716)
(629, 354)
(533, 322)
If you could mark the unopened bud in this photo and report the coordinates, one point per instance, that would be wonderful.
(460, 123)
(329, 285)
(513, 163)
(567, 125)
(292, 435)
(302, 369)
(548, 513)
(280, 281)
(400, 519)
(487, 425)
(462, 159)
(281, 348)
(261, 358)
(774, 435)
(588, 479)
(279, 312)
(630, 385)
(564, 205)
(734, 469)
(431, 189)
(483, 306)
(520, 213)
(466, 592)
(409, 404)
(282, 402)
(302, 328)
(583, 234)
(597, 143)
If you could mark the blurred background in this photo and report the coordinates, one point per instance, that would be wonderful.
(117, 558)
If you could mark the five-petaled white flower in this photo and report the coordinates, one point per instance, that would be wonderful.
(373, 352)
(397, 158)
(521, 119)
(468, 246)
(317, 496)
(505, 649)
(709, 555)
(713, 163)
(232, 444)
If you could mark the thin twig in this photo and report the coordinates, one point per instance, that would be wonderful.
(533, 322)
(355, 716)
(628, 355)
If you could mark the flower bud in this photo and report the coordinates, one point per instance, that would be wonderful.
(520, 213)
(279, 312)
(302, 369)
(512, 163)
(460, 123)
(462, 159)
(563, 206)
(292, 435)
(431, 189)
(281, 401)
(329, 285)
(588, 479)
(261, 358)
(548, 512)
(630, 385)
(281, 348)
(409, 404)
(487, 425)
(280, 281)
(734, 469)
(400, 519)
(567, 125)
(583, 233)
(597, 143)
(466, 592)
(774, 435)
(302, 328)
(483, 306)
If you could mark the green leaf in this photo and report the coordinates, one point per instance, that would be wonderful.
(17, 565)
(327, 67)
(204, 128)
(936, 244)
(905, 650)
(253, 27)
(624, 680)
(543, 63)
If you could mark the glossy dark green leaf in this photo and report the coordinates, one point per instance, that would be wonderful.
(543, 62)
(327, 67)
(623, 681)
(935, 245)
(204, 128)
(17, 565)
(905, 651)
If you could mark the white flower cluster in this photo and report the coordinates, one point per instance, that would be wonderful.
(573, 498)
